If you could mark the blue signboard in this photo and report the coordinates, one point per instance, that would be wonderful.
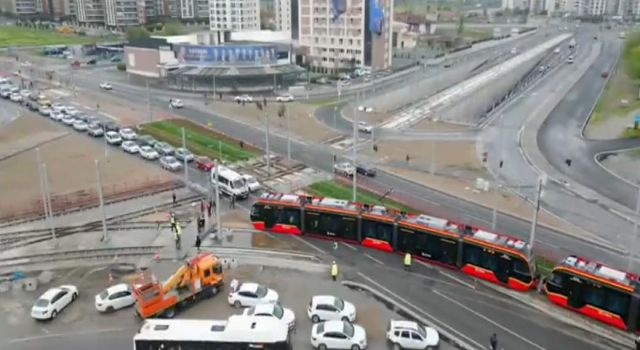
(226, 55)
(376, 16)
(338, 7)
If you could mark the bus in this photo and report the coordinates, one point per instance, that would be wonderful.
(237, 333)
(596, 291)
(494, 257)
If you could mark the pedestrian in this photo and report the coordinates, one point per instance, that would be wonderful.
(97, 106)
(375, 147)
(220, 95)
(202, 206)
(232, 202)
(198, 242)
(264, 101)
(200, 224)
(178, 235)
(172, 220)
(241, 144)
(638, 343)
(334, 270)
(493, 341)
(407, 158)
(407, 262)
(174, 197)
(209, 208)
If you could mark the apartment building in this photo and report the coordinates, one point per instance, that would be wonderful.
(338, 35)
(90, 12)
(234, 15)
(515, 4)
(282, 11)
(124, 13)
(595, 7)
(21, 8)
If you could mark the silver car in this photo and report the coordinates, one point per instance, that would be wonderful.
(164, 148)
(184, 154)
(170, 163)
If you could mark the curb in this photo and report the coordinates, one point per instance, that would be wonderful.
(405, 311)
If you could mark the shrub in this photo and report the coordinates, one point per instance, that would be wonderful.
(122, 67)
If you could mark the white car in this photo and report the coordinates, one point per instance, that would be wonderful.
(105, 86)
(327, 307)
(113, 138)
(130, 147)
(95, 130)
(16, 97)
(57, 116)
(514, 50)
(68, 120)
(251, 182)
(25, 93)
(147, 152)
(243, 98)
(176, 103)
(80, 125)
(44, 110)
(170, 163)
(128, 134)
(344, 168)
(338, 335)
(58, 107)
(250, 294)
(364, 127)
(53, 301)
(283, 314)
(410, 335)
(183, 154)
(71, 111)
(570, 60)
(285, 98)
(556, 50)
(114, 298)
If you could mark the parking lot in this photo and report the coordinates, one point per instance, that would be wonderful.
(80, 326)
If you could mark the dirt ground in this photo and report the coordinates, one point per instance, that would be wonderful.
(301, 119)
(70, 159)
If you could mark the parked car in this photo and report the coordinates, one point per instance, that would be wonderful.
(164, 148)
(32, 106)
(130, 147)
(176, 103)
(93, 120)
(251, 294)
(204, 163)
(114, 298)
(147, 140)
(285, 98)
(112, 138)
(364, 127)
(183, 154)
(16, 97)
(170, 163)
(328, 307)
(80, 125)
(111, 126)
(57, 116)
(147, 152)
(53, 301)
(410, 335)
(251, 182)
(72, 111)
(514, 50)
(344, 168)
(366, 170)
(105, 86)
(95, 130)
(570, 60)
(276, 311)
(68, 120)
(243, 98)
(338, 335)
(58, 107)
(128, 134)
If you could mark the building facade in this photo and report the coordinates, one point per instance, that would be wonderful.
(124, 13)
(90, 12)
(282, 11)
(338, 35)
(21, 8)
(234, 15)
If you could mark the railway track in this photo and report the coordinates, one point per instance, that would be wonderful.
(15, 239)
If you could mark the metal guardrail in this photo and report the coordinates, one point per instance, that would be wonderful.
(85, 254)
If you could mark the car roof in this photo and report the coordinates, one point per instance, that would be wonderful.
(121, 287)
(323, 299)
(404, 324)
(333, 326)
(267, 308)
(248, 287)
(48, 295)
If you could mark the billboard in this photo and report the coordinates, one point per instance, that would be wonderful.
(376, 16)
(226, 55)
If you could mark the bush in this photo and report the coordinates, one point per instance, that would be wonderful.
(122, 67)
(631, 57)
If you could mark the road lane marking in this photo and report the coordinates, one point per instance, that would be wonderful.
(374, 259)
(313, 246)
(59, 335)
(420, 310)
(46, 331)
(349, 246)
(490, 320)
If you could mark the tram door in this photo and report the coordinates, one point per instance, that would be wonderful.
(504, 268)
(269, 216)
(574, 290)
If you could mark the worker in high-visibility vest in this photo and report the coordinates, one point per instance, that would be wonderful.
(172, 220)
(334, 270)
(407, 261)
(178, 234)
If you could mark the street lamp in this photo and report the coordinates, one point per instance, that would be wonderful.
(634, 238)
(355, 145)
(542, 180)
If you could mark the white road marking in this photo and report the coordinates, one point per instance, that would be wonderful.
(433, 319)
(46, 331)
(374, 259)
(446, 274)
(490, 320)
(313, 246)
(59, 335)
(349, 246)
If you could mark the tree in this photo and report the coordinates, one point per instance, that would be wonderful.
(136, 33)
(172, 28)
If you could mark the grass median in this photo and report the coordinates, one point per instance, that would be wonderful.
(200, 140)
(334, 189)
(22, 36)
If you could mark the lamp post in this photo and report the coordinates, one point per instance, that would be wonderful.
(542, 180)
(355, 146)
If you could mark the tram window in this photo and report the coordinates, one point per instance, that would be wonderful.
(312, 223)
(472, 254)
(289, 216)
(594, 295)
(435, 247)
(521, 270)
(331, 225)
(377, 230)
(617, 302)
(257, 212)
(489, 260)
(406, 241)
(556, 283)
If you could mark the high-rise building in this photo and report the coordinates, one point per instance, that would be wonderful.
(515, 4)
(124, 13)
(343, 34)
(283, 15)
(595, 7)
(234, 15)
(20, 8)
(90, 11)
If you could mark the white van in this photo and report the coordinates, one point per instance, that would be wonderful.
(230, 182)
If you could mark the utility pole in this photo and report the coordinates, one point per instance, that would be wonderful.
(105, 238)
(149, 101)
(634, 238)
(494, 216)
(432, 163)
(217, 191)
(50, 222)
(213, 82)
(355, 151)
(268, 155)
(286, 113)
(532, 235)
(184, 163)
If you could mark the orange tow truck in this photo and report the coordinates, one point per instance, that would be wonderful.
(200, 277)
